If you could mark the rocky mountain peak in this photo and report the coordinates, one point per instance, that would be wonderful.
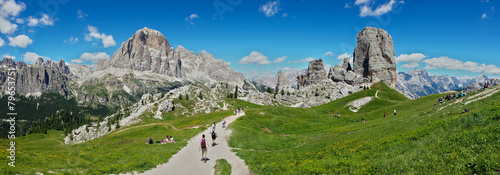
(374, 56)
(315, 73)
(418, 72)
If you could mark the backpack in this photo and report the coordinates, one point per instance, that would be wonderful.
(150, 141)
(203, 143)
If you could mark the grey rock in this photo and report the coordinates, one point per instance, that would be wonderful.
(103, 64)
(79, 71)
(346, 65)
(353, 78)
(166, 106)
(337, 73)
(315, 73)
(374, 56)
(8, 62)
(282, 83)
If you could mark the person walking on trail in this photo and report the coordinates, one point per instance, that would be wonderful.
(213, 126)
(394, 112)
(203, 148)
(214, 135)
(223, 123)
(384, 114)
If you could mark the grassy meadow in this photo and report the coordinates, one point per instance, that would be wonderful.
(418, 140)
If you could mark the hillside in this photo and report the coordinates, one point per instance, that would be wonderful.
(420, 139)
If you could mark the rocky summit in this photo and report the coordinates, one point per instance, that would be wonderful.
(149, 51)
(374, 60)
(315, 74)
(374, 57)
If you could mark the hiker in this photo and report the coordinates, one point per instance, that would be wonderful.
(234, 112)
(213, 126)
(223, 123)
(214, 135)
(203, 147)
(149, 142)
(384, 114)
(330, 113)
(164, 141)
(394, 112)
(172, 140)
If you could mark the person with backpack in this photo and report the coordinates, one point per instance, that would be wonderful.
(394, 112)
(214, 135)
(203, 148)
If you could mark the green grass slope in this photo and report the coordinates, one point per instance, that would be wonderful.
(420, 139)
(121, 151)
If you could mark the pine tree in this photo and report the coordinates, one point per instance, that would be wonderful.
(200, 96)
(236, 92)
(187, 96)
(180, 96)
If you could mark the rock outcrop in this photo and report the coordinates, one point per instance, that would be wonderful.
(79, 71)
(374, 57)
(103, 64)
(282, 83)
(315, 74)
(374, 60)
(57, 66)
(43, 77)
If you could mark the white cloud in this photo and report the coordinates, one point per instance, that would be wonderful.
(71, 40)
(8, 56)
(411, 65)
(280, 59)
(8, 10)
(92, 57)
(270, 8)
(45, 20)
(453, 64)
(347, 6)
(402, 2)
(6, 27)
(31, 57)
(20, 41)
(81, 15)
(414, 57)
(203, 51)
(289, 69)
(485, 0)
(361, 2)
(2, 42)
(284, 15)
(255, 57)
(366, 9)
(304, 60)
(329, 53)
(228, 63)
(11, 8)
(289, 62)
(107, 40)
(483, 16)
(191, 17)
(344, 55)
(19, 21)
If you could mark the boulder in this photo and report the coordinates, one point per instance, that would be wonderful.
(337, 73)
(282, 83)
(353, 78)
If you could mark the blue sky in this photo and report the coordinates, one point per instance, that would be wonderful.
(458, 38)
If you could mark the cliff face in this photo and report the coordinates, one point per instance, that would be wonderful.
(37, 78)
(374, 57)
(315, 73)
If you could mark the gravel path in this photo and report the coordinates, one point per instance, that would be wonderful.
(188, 159)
